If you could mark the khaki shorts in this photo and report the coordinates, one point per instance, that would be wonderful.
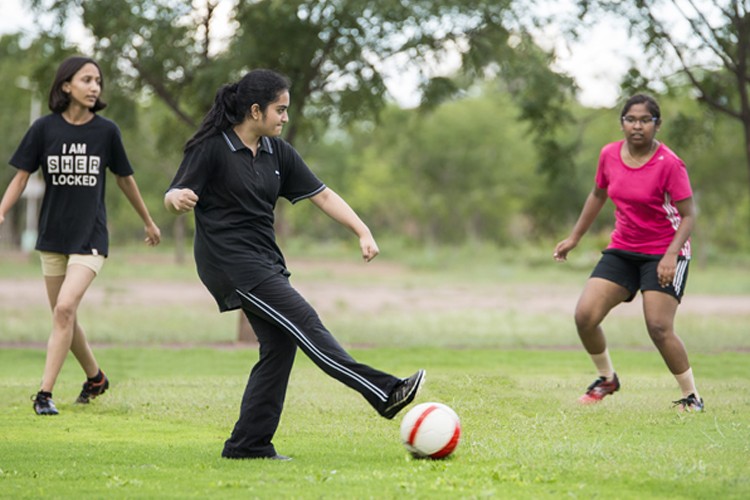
(56, 264)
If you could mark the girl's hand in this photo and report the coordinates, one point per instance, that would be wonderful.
(179, 201)
(153, 235)
(562, 249)
(666, 269)
(369, 248)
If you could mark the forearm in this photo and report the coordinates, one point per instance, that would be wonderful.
(13, 192)
(169, 203)
(339, 210)
(130, 189)
(591, 208)
(680, 237)
(686, 209)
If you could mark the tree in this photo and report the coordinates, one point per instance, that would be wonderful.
(713, 57)
(337, 52)
(29, 70)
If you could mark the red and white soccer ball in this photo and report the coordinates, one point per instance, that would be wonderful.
(430, 430)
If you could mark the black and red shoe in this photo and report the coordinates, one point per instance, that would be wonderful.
(93, 388)
(600, 388)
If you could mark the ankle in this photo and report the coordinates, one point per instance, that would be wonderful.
(97, 378)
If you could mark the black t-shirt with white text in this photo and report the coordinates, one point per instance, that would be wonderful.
(73, 159)
(235, 243)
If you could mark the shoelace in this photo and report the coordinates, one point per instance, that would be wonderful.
(93, 387)
(596, 383)
(687, 402)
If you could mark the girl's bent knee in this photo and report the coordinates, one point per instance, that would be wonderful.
(64, 313)
(584, 320)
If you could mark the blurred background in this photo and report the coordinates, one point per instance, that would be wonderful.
(444, 123)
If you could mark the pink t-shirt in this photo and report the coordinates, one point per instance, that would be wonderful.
(646, 218)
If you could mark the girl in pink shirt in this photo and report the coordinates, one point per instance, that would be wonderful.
(649, 248)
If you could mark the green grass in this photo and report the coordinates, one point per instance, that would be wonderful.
(512, 376)
(159, 431)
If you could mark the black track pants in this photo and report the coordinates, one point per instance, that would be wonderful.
(283, 320)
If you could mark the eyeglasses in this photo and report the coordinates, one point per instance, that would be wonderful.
(632, 120)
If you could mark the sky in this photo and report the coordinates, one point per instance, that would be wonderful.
(597, 62)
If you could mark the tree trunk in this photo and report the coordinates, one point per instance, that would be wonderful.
(179, 239)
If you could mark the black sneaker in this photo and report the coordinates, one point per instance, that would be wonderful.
(91, 389)
(690, 403)
(43, 404)
(403, 394)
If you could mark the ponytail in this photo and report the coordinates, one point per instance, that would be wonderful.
(233, 102)
(222, 115)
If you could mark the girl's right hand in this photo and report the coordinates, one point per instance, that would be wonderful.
(562, 249)
(180, 200)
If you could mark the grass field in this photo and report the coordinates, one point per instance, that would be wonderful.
(159, 431)
(513, 377)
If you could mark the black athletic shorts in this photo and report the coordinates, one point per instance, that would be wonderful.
(637, 271)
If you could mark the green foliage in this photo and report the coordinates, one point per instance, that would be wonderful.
(711, 57)
(334, 52)
(442, 176)
(497, 153)
(15, 103)
(29, 72)
(543, 99)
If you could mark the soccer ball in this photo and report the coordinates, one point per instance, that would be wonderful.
(430, 430)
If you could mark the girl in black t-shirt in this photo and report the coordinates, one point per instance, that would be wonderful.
(73, 146)
(234, 169)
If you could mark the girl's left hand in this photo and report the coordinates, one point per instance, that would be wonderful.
(369, 248)
(666, 269)
(153, 235)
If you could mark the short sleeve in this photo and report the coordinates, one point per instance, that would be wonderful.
(298, 182)
(28, 154)
(119, 163)
(678, 182)
(194, 169)
(601, 179)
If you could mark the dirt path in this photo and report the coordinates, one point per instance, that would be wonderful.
(319, 283)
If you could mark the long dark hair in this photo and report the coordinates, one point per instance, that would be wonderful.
(650, 102)
(59, 100)
(233, 102)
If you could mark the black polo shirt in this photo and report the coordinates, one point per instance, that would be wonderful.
(235, 243)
